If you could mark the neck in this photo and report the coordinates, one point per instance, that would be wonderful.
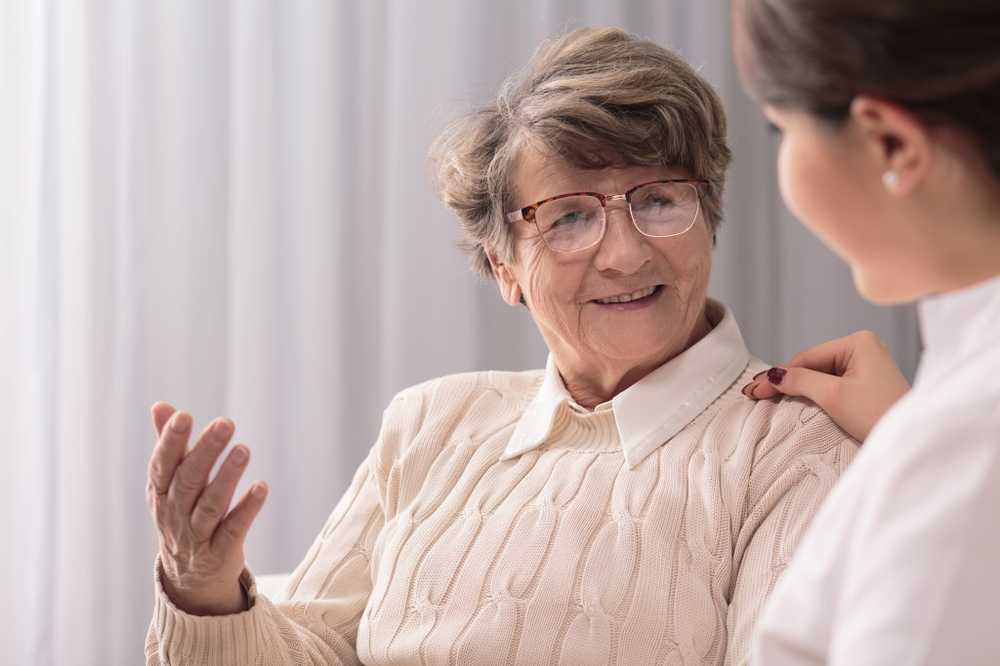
(598, 381)
(962, 232)
(968, 252)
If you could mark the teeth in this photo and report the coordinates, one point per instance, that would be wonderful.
(625, 298)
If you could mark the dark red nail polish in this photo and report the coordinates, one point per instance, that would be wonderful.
(775, 375)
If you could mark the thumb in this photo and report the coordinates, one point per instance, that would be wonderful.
(799, 382)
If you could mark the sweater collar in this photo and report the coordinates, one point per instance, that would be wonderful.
(657, 407)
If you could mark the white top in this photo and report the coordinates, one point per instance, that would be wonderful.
(901, 565)
(697, 378)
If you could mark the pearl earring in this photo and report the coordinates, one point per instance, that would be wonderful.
(890, 179)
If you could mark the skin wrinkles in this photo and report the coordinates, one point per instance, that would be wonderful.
(601, 351)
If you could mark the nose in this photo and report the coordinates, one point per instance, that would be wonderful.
(623, 249)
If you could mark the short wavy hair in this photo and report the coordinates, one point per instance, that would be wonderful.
(595, 97)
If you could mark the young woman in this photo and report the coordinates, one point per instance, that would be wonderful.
(891, 155)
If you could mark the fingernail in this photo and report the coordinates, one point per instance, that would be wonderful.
(775, 375)
(757, 376)
(744, 390)
(222, 428)
(239, 454)
(181, 422)
(259, 490)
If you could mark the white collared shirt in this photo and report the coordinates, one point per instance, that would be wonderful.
(901, 566)
(697, 376)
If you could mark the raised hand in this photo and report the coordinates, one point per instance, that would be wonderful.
(201, 540)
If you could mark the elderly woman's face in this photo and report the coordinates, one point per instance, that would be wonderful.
(565, 291)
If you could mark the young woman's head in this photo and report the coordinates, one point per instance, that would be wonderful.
(889, 111)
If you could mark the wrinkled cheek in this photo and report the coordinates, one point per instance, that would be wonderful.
(699, 275)
(532, 278)
(548, 310)
(582, 328)
(690, 268)
(537, 295)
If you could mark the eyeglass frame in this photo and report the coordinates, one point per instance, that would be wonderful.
(527, 213)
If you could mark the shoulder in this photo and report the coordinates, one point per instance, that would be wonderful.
(782, 428)
(465, 405)
(953, 421)
(440, 423)
(790, 427)
(780, 441)
(932, 472)
(450, 393)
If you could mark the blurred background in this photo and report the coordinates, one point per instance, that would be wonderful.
(226, 205)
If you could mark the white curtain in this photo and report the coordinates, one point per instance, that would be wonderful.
(227, 206)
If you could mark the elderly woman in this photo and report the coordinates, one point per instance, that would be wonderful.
(624, 505)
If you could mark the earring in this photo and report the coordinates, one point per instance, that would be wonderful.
(890, 179)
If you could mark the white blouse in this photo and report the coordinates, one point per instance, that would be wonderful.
(901, 566)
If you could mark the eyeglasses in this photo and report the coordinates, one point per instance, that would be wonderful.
(577, 221)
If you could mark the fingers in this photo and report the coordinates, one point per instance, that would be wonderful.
(233, 530)
(192, 474)
(762, 387)
(854, 379)
(831, 357)
(168, 452)
(161, 412)
(835, 357)
(214, 501)
(820, 387)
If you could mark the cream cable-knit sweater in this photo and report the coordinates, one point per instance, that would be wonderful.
(441, 553)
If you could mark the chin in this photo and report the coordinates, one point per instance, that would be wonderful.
(885, 289)
(637, 350)
(619, 350)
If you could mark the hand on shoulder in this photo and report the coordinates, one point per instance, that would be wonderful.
(854, 379)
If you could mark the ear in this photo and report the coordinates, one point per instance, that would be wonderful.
(510, 290)
(896, 140)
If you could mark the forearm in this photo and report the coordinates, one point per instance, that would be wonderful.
(267, 633)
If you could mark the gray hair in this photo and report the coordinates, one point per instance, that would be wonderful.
(595, 97)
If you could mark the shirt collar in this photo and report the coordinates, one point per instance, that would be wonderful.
(957, 324)
(658, 406)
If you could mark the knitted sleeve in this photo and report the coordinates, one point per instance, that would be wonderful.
(794, 468)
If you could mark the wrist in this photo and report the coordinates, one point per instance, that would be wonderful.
(223, 600)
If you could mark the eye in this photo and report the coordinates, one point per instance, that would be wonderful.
(570, 218)
(653, 200)
(774, 129)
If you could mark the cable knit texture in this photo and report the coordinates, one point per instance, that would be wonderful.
(442, 553)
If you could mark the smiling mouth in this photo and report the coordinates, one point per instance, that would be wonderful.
(630, 297)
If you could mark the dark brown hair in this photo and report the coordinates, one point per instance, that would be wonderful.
(595, 97)
(938, 58)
